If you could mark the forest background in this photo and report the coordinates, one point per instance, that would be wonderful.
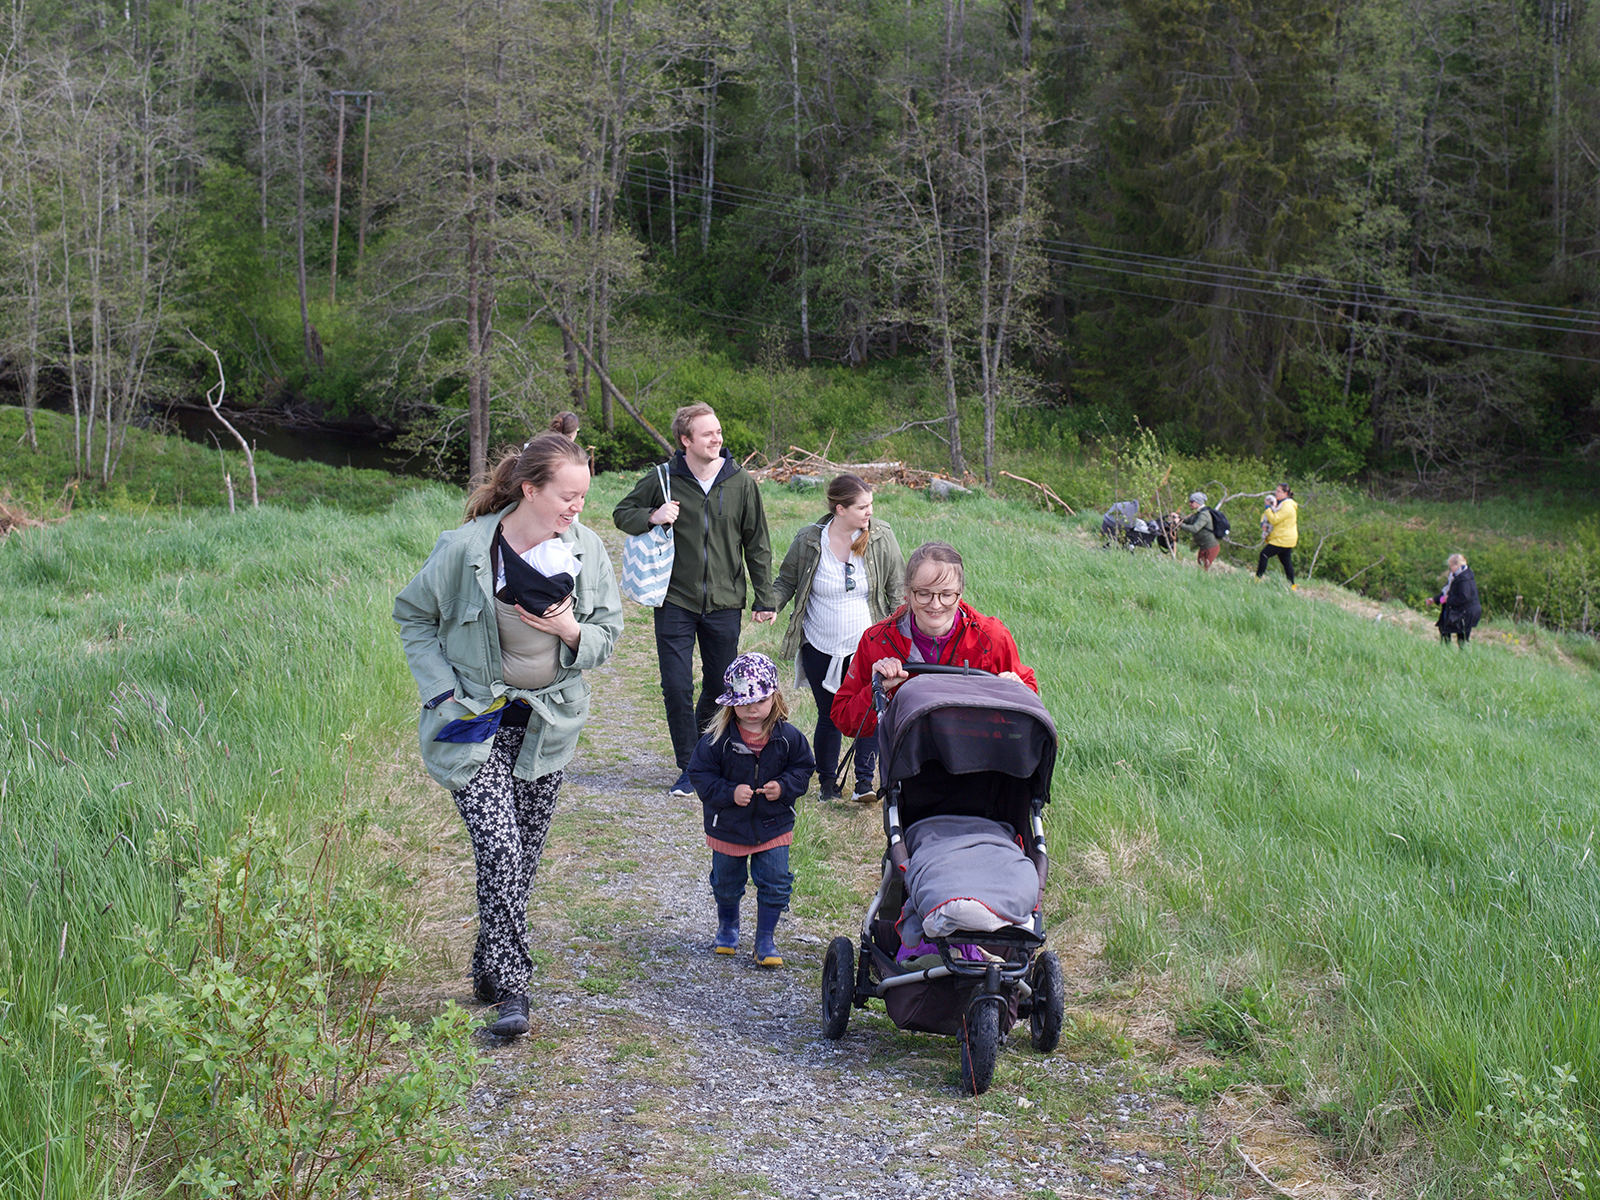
(1345, 242)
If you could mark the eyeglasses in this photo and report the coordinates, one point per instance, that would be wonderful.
(849, 577)
(922, 596)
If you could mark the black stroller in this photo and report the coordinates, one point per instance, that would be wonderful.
(964, 751)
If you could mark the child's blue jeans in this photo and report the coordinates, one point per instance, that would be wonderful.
(769, 871)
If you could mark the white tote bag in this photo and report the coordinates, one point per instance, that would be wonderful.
(647, 558)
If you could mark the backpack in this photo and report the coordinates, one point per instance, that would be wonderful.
(1219, 524)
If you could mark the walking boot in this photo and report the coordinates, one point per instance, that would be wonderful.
(513, 1020)
(766, 925)
(727, 929)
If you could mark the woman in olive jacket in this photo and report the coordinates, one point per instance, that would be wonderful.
(844, 573)
(499, 626)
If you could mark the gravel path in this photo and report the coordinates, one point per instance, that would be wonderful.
(657, 1069)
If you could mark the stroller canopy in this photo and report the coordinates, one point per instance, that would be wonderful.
(967, 724)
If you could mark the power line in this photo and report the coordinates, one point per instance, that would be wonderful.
(1443, 307)
(840, 216)
(1409, 335)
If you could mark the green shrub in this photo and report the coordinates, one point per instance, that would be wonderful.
(267, 1068)
(1542, 1136)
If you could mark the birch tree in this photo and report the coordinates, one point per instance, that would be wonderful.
(25, 234)
(966, 216)
(504, 177)
(116, 142)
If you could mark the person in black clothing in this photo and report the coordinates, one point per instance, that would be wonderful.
(1459, 609)
(721, 555)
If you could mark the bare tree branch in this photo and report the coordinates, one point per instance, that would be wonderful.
(605, 380)
(934, 425)
(214, 395)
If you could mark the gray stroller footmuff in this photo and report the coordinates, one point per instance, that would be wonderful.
(965, 873)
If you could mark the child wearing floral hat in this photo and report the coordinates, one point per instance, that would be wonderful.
(748, 770)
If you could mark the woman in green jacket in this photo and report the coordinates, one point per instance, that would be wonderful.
(499, 626)
(844, 573)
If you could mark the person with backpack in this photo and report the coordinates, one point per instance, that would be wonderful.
(1207, 527)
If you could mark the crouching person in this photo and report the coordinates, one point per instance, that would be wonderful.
(748, 770)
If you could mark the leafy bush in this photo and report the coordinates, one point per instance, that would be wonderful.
(1542, 1137)
(267, 1069)
(1554, 583)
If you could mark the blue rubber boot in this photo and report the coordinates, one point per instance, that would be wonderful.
(727, 929)
(766, 925)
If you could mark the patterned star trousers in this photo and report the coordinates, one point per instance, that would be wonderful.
(507, 819)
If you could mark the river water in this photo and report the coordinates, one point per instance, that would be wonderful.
(338, 447)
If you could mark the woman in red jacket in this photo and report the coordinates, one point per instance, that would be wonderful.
(932, 626)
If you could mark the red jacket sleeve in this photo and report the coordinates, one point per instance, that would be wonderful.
(853, 714)
(1007, 656)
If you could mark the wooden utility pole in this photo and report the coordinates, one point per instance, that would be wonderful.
(338, 187)
(361, 223)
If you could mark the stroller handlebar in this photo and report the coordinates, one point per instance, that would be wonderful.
(880, 697)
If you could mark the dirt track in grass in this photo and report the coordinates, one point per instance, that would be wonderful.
(657, 1069)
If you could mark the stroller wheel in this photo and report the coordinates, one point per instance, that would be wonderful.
(838, 987)
(980, 1042)
(1049, 1003)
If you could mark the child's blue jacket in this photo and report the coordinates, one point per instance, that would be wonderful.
(720, 764)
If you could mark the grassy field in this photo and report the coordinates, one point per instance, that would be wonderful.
(160, 472)
(1360, 863)
(1534, 547)
(1363, 859)
(204, 665)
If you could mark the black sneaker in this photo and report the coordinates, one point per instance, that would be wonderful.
(682, 787)
(513, 1021)
(485, 989)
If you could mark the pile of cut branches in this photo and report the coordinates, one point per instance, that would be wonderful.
(14, 516)
(806, 463)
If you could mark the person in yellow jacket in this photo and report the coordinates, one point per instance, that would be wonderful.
(1279, 526)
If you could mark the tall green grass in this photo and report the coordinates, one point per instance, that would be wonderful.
(1388, 845)
(206, 665)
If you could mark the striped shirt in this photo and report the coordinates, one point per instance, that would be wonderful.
(836, 617)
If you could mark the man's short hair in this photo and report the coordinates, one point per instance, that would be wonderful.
(683, 420)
